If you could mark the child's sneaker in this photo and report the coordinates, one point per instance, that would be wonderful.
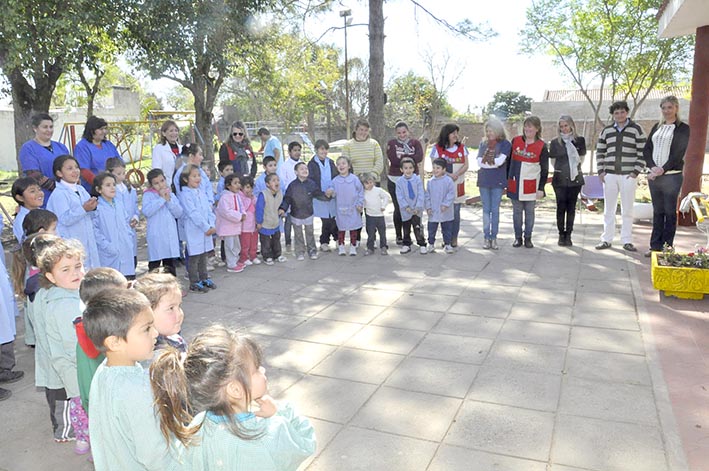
(81, 447)
(282, 259)
(431, 248)
(269, 261)
(314, 255)
(353, 250)
(209, 283)
(237, 269)
(288, 247)
(210, 267)
(300, 257)
(385, 251)
(449, 249)
(248, 263)
(324, 247)
(341, 250)
(368, 252)
(423, 250)
(199, 287)
(405, 249)
(256, 261)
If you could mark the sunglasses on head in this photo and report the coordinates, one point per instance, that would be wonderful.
(237, 134)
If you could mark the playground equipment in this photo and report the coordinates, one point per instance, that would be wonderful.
(699, 204)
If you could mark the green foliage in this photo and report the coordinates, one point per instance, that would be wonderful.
(411, 98)
(508, 104)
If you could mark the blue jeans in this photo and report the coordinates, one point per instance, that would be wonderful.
(446, 229)
(526, 207)
(491, 197)
(664, 191)
(456, 220)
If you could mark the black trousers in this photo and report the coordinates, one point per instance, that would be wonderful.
(270, 245)
(415, 223)
(168, 263)
(566, 197)
(329, 229)
(376, 224)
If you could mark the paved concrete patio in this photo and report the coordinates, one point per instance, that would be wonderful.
(541, 359)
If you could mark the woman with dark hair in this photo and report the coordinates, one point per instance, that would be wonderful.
(93, 150)
(237, 150)
(454, 152)
(397, 149)
(166, 153)
(567, 151)
(664, 156)
(37, 155)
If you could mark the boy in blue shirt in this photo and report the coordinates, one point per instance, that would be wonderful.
(269, 167)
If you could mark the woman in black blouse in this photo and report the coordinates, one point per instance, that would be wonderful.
(664, 156)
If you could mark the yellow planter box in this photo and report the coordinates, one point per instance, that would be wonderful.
(681, 282)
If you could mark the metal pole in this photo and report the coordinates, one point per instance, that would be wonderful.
(344, 14)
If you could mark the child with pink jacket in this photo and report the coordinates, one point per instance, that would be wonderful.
(230, 214)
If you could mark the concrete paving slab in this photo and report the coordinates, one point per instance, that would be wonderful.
(295, 355)
(337, 401)
(453, 458)
(607, 340)
(324, 432)
(358, 365)
(601, 445)
(378, 297)
(350, 312)
(425, 301)
(607, 366)
(403, 412)
(501, 429)
(480, 306)
(357, 449)
(535, 332)
(407, 319)
(469, 326)
(527, 356)
(516, 388)
(624, 320)
(280, 380)
(386, 339)
(453, 348)
(609, 301)
(267, 323)
(483, 288)
(300, 306)
(611, 401)
(541, 313)
(433, 376)
(557, 297)
(323, 331)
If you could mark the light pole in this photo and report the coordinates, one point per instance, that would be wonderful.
(345, 14)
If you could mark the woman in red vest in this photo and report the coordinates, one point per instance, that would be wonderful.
(237, 150)
(526, 177)
(455, 154)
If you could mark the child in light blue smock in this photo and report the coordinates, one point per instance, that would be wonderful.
(199, 225)
(239, 425)
(161, 208)
(111, 227)
(74, 208)
(128, 196)
(410, 195)
(28, 194)
(349, 194)
(439, 199)
(124, 427)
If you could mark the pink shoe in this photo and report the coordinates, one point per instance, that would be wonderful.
(81, 447)
(237, 269)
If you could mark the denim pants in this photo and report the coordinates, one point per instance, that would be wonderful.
(376, 224)
(491, 197)
(398, 225)
(518, 209)
(664, 191)
(455, 229)
(446, 229)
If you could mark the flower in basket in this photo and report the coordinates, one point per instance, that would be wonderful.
(697, 259)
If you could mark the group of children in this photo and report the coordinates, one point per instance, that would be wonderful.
(95, 333)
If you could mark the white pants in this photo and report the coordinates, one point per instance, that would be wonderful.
(612, 186)
(232, 249)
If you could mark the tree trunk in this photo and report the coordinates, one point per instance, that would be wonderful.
(376, 71)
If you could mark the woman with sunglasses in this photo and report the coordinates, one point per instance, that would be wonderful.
(237, 150)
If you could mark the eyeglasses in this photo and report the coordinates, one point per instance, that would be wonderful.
(237, 134)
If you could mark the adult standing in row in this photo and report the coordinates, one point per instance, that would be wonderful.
(567, 152)
(664, 156)
(37, 155)
(166, 153)
(237, 150)
(492, 177)
(455, 153)
(271, 146)
(93, 150)
(619, 157)
(397, 149)
(527, 176)
(364, 152)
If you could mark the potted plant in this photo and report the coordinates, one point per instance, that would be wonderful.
(684, 276)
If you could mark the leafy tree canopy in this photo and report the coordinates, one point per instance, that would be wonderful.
(508, 104)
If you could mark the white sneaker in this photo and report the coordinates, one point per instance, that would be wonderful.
(431, 248)
(256, 261)
(210, 267)
(269, 261)
(300, 258)
(324, 247)
(423, 250)
(405, 249)
(341, 250)
(449, 249)
(314, 256)
(282, 259)
(249, 262)
(353, 250)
